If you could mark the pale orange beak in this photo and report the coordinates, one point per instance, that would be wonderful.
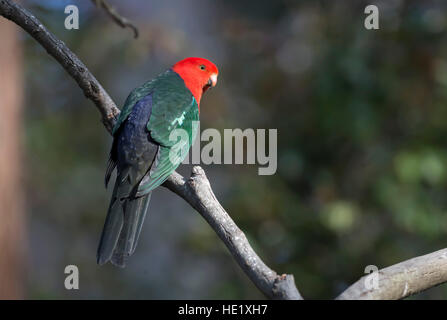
(213, 79)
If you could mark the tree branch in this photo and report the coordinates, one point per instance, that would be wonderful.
(403, 279)
(196, 191)
(71, 63)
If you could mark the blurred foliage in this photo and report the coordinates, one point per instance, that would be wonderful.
(362, 158)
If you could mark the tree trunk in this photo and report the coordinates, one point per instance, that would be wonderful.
(12, 220)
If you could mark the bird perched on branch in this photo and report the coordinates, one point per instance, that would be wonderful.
(146, 149)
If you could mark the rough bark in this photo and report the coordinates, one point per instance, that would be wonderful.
(403, 279)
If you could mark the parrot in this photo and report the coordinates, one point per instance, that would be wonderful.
(143, 151)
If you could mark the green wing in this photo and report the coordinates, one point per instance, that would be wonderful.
(174, 143)
(173, 124)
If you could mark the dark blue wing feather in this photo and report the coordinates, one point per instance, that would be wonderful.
(132, 153)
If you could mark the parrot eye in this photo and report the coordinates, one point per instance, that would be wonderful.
(202, 67)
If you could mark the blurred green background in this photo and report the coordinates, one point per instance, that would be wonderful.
(362, 155)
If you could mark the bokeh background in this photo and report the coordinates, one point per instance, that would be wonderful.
(362, 150)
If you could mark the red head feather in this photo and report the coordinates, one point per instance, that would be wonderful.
(199, 75)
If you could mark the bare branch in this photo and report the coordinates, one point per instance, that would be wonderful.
(120, 20)
(71, 63)
(403, 279)
(196, 191)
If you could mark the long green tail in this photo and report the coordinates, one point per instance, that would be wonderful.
(123, 224)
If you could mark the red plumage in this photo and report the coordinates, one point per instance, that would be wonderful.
(199, 75)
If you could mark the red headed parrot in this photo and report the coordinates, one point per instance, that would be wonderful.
(143, 151)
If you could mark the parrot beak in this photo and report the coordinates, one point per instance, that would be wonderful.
(213, 80)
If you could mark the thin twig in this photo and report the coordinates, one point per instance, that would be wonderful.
(119, 19)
